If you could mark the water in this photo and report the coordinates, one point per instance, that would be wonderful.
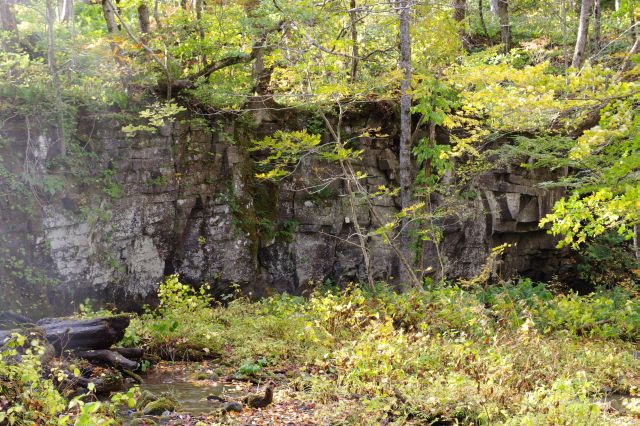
(175, 381)
(616, 401)
(192, 396)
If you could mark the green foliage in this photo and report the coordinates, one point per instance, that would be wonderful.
(284, 150)
(29, 396)
(438, 159)
(608, 260)
(250, 368)
(180, 326)
(156, 116)
(448, 354)
(603, 314)
(21, 384)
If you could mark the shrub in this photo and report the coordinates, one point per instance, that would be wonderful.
(183, 325)
(604, 314)
(28, 397)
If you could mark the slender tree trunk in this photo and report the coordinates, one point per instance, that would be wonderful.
(156, 14)
(199, 19)
(635, 49)
(502, 10)
(109, 16)
(565, 49)
(362, 237)
(55, 79)
(8, 21)
(72, 19)
(617, 5)
(9, 24)
(143, 19)
(406, 195)
(483, 23)
(65, 10)
(636, 238)
(351, 180)
(203, 58)
(583, 34)
(632, 18)
(353, 16)
(597, 19)
(459, 14)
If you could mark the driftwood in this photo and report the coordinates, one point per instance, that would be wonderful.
(108, 357)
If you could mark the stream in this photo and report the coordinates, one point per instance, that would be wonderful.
(175, 381)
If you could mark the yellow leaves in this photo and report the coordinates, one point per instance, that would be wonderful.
(448, 122)
(271, 174)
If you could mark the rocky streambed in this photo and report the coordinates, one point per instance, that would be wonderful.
(204, 392)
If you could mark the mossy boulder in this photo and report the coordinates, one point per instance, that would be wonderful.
(159, 406)
(140, 421)
(145, 398)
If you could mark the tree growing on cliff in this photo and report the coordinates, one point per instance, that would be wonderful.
(286, 152)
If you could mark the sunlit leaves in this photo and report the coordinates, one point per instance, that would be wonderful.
(284, 150)
(579, 218)
(154, 117)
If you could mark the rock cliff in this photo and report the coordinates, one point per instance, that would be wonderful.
(184, 200)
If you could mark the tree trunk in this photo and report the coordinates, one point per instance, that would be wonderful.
(405, 133)
(156, 15)
(55, 78)
(583, 34)
(459, 14)
(501, 8)
(203, 58)
(8, 20)
(143, 19)
(351, 180)
(72, 19)
(9, 24)
(362, 237)
(353, 16)
(565, 49)
(109, 16)
(66, 10)
(632, 18)
(199, 19)
(597, 19)
(483, 23)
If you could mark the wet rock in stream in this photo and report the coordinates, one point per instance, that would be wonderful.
(160, 406)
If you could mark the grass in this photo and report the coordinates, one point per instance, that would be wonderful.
(512, 354)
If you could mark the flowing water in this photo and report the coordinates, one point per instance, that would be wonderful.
(190, 393)
(191, 396)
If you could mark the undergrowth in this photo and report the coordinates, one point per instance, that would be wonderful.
(29, 395)
(514, 353)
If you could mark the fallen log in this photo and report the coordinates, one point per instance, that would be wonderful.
(108, 357)
(68, 334)
(87, 334)
(101, 385)
(135, 354)
(10, 319)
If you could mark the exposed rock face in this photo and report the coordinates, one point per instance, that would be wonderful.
(184, 201)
